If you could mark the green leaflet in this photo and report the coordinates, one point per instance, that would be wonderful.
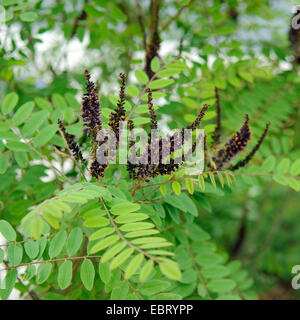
(133, 265)
(21, 158)
(28, 16)
(135, 234)
(141, 76)
(110, 253)
(57, 244)
(201, 183)
(152, 287)
(9, 281)
(43, 272)
(133, 91)
(42, 246)
(176, 187)
(147, 240)
(95, 222)
(17, 146)
(212, 179)
(87, 274)
(163, 189)
(31, 249)
(283, 166)
(59, 101)
(121, 258)
(29, 273)
(137, 226)
(104, 272)
(43, 103)
(35, 121)
(189, 185)
(9, 102)
(174, 201)
(189, 204)
(3, 163)
(15, 254)
(171, 270)
(214, 272)
(23, 113)
(201, 290)
(132, 217)
(101, 233)
(120, 292)
(7, 230)
(124, 207)
(208, 259)
(161, 83)
(166, 296)
(74, 241)
(156, 245)
(106, 242)
(146, 270)
(221, 285)
(64, 274)
(295, 168)
(155, 64)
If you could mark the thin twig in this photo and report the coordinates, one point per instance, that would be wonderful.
(174, 18)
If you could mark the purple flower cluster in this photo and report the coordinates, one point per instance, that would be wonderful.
(118, 114)
(251, 154)
(145, 171)
(97, 170)
(235, 145)
(174, 141)
(151, 110)
(90, 108)
(72, 144)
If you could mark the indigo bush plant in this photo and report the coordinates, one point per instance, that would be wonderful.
(149, 150)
